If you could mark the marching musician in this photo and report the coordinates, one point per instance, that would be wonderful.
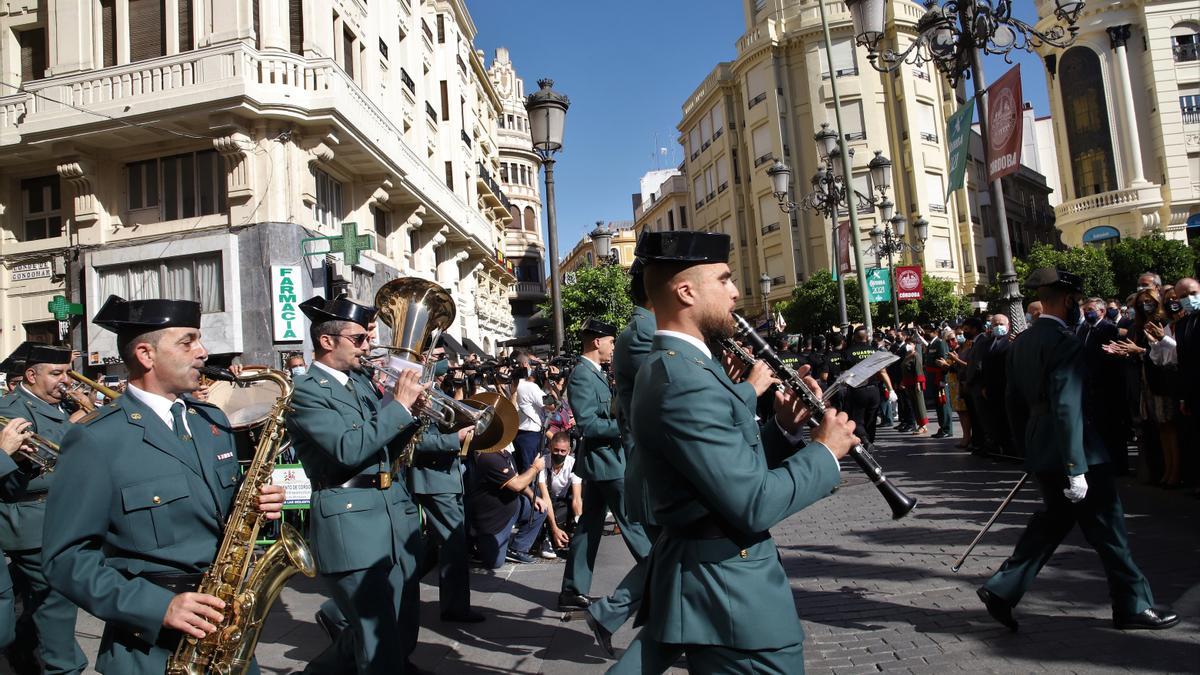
(717, 482)
(601, 464)
(12, 482)
(152, 480)
(364, 531)
(47, 624)
(1066, 454)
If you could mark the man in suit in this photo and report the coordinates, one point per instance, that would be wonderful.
(601, 464)
(632, 347)
(1069, 461)
(47, 624)
(1103, 399)
(991, 352)
(364, 529)
(717, 590)
(143, 489)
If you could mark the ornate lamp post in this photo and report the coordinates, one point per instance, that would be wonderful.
(764, 285)
(953, 36)
(547, 118)
(888, 240)
(831, 192)
(602, 244)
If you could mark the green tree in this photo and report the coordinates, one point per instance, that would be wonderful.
(1129, 258)
(813, 307)
(597, 293)
(1088, 262)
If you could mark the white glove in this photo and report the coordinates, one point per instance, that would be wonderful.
(892, 396)
(1077, 489)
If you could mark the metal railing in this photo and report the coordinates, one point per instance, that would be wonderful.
(757, 99)
(934, 207)
(764, 159)
(430, 111)
(1189, 107)
(408, 81)
(466, 138)
(773, 227)
(929, 136)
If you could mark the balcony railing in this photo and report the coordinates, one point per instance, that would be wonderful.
(718, 133)
(530, 288)
(1186, 52)
(757, 99)
(921, 74)
(840, 72)
(856, 136)
(764, 159)
(1189, 106)
(466, 138)
(929, 136)
(408, 81)
(934, 207)
(699, 204)
(773, 227)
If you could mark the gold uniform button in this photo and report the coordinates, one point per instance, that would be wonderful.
(157, 499)
(743, 554)
(354, 426)
(670, 352)
(349, 505)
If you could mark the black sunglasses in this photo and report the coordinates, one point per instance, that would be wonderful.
(357, 339)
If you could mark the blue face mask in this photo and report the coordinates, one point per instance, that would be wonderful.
(1190, 303)
(1112, 313)
(1092, 317)
(1000, 330)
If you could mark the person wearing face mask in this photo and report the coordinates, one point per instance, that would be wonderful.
(295, 365)
(1070, 464)
(1187, 352)
(1103, 394)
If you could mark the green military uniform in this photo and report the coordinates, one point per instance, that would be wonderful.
(366, 539)
(140, 520)
(21, 523)
(436, 483)
(11, 483)
(1045, 409)
(601, 464)
(717, 588)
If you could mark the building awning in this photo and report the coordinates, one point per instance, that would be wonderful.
(452, 346)
(527, 341)
(470, 344)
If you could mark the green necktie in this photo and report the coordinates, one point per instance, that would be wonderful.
(181, 429)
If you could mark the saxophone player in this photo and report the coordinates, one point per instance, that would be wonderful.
(149, 482)
(365, 528)
(47, 626)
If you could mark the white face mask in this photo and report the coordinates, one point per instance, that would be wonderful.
(297, 371)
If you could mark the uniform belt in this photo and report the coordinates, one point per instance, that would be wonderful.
(176, 582)
(712, 527)
(366, 480)
(28, 497)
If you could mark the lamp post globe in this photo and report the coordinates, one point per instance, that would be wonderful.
(764, 285)
(827, 140)
(921, 226)
(881, 172)
(781, 179)
(601, 241)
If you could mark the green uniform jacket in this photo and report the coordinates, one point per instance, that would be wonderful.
(435, 469)
(1045, 403)
(601, 456)
(707, 462)
(139, 500)
(10, 483)
(21, 523)
(339, 434)
(631, 351)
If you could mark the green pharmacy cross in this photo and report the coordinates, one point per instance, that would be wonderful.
(350, 243)
(62, 310)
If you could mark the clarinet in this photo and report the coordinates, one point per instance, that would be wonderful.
(900, 503)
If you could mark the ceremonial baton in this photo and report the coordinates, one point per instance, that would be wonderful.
(1003, 505)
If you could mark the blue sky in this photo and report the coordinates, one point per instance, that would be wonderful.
(627, 66)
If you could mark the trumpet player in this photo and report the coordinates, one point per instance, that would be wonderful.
(717, 482)
(364, 530)
(46, 627)
(152, 479)
(14, 434)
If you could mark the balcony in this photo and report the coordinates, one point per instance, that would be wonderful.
(1130, 210)
(756, 100)
(929, 137)
(528, 290)
(764, 159)
(431, 112)
(1189, 107)
(490, 190)
(466, 138)
(408, 81)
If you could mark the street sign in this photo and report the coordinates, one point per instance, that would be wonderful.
(879, 284)
(909, 283)
(285, 301)
(37, 270)
(63, 310)
(958, 136)
(349, 243)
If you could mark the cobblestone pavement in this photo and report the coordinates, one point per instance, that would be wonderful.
(875, 595)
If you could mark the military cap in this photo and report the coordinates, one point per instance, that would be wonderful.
(15, 363)
(1048, 276)
(683, 246)
(43, 353)
(142, 316)
(320, 310)
(598, 327)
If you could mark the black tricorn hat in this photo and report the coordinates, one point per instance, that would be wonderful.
(43, 353)
(142, 316)
(598, 327)
(15, 362)
(1048, 276)
(320, 310)
(686, 246)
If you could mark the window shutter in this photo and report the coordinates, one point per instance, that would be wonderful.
(762, 141)
(145, 30)
(296, 26)
(722, 171)
(33, 54)
(718, 118)
(185, 26)
(928, 125)
(108, 28)
(756, 82)
(843, 55)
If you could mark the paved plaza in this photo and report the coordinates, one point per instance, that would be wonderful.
(875, 595)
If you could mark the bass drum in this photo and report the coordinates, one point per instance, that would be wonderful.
(247, 405)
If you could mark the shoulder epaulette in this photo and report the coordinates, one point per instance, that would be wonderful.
(98, 413)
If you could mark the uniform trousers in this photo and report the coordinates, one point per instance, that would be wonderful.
(862, 406)
(8, 617)
(599, 496)
(1102, 521)
(447, 548)
(52, 614)
(945, 414)
(649, 656)
(613, 611)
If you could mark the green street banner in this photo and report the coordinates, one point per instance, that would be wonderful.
(879, 284)
(958, 136)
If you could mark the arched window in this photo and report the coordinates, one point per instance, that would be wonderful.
(515, 212)
(1089, 140)
(530, 220)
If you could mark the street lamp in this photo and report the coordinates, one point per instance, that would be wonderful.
(547, 111)
(764, 285)
(954, 36)
(602, 244)
(888, 240)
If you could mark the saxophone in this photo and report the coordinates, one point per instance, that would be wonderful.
(248, 593)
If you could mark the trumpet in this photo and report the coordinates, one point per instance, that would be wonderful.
(900, 503)
(38, 451)
(438, 407)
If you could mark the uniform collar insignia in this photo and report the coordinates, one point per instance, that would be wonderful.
(322, 381)
(192, 411)
(135, 416)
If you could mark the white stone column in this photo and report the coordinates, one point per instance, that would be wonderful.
(171, 25)
(233, 21)
(274, 25)
(122, 19)
(1119, 35)
(70, 36)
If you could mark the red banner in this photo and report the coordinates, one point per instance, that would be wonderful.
(909, 285)
(1005, 122)
(844, 248)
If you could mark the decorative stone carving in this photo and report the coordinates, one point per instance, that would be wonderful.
(79, 174)
(320, 153)
(238, 150)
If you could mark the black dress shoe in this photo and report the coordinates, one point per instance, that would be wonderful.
(1147, 619)
(470, 616)
(998, 607)
(603, 637)
(569, 600)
